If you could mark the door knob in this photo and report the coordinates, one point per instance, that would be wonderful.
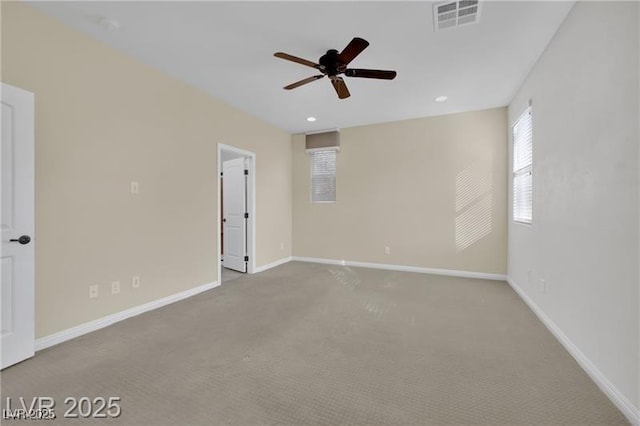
(25, 239)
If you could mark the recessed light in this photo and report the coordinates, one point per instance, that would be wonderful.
(441, 99)
(311, 119)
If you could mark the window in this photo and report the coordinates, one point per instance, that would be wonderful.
(323, 176)
(523, 168)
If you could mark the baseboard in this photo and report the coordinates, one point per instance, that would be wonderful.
(272, 264)
(631, 413)
(403, 268)
(88, 327)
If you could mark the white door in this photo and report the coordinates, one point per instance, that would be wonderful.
(234, 205)
(17, 287)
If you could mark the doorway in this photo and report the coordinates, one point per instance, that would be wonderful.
(17, 288)
(236, 212)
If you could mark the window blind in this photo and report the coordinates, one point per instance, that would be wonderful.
(523, 168)
(323, 176)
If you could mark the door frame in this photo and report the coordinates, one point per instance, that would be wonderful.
(251, 206)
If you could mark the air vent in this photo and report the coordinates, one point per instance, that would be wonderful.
(455, 13)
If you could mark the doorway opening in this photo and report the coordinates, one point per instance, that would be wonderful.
(236, 212)
(17, 286)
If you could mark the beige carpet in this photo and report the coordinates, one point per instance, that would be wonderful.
(229, 274)
(306, 344)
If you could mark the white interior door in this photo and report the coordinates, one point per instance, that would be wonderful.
(234, 205)
(17, 217)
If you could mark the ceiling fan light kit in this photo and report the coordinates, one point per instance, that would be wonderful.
(333, 64)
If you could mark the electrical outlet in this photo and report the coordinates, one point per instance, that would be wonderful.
(387, 250)
(281, 246)
(93, 291)
(115, 287)
(543, 286)
(135, 282)
(135, 187)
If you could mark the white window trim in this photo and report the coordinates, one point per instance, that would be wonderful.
(528, 169)
(329, 148)
(311, 151)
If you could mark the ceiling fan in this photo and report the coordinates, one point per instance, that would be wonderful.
(332, 64)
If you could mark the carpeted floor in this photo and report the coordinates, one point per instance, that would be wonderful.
(230, 275)
(306, 344)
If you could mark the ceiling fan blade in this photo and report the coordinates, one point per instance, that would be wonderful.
(341, 87)
(381, 74)
(303, 81)
(292, 58)
(353, 49)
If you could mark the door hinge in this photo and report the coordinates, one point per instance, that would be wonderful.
(246, 258)
(246, 215)
(246, 172)
(221, 174)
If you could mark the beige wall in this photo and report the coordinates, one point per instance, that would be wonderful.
(104, 119)
(584, 237)
(432, 189)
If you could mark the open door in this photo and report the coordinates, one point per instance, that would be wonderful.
(234, 221)
(17, 318)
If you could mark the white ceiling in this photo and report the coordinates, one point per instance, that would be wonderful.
(226, 49)
(230, 155)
